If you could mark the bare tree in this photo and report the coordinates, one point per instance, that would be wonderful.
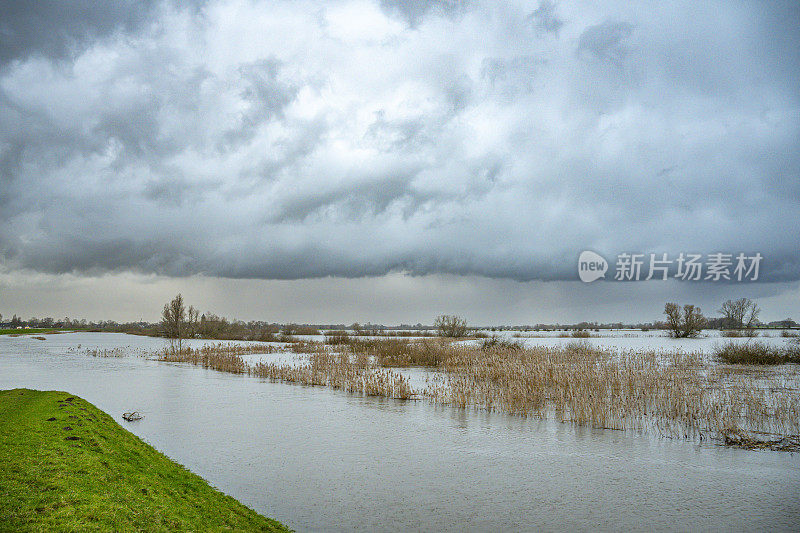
(693, 321)
(192, 321)
(740, 314)
(173, 322)
(451, 326)
(684, 324)
(673, 312)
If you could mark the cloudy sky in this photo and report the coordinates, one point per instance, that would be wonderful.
(392, 160)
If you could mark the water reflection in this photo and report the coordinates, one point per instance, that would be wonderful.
(319, 459)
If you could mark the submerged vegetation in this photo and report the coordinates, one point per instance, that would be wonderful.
(671, 393)
(67, 466)
(758, 353)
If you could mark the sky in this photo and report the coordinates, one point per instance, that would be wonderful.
(390, 161)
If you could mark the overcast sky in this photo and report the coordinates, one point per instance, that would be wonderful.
(390, 161)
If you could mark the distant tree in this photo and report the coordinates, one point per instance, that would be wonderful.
(684, 324)
(451, 326)
(192, 321)
(740, 314)
(173, 322)
(673, 312)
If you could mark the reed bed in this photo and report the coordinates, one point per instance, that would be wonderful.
(351, 372)
(673, 393)
(758, 353)
(395, 352)
(222, 357)
(355, 373)
(104, 352)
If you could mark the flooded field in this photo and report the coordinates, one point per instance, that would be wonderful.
(321, 459)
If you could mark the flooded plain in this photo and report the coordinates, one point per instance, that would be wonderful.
(319, 459)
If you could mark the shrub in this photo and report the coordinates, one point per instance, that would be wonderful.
(756, 353)
(451, 326)
(496, 343)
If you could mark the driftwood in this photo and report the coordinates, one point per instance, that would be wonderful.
(130, 417)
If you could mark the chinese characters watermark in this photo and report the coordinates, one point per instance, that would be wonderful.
(686, 267)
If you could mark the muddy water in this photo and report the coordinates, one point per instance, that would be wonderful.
(318, 459)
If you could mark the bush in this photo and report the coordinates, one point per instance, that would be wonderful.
(451, 326)
(496, 343)
(757, 353)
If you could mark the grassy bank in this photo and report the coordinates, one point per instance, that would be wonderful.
(67, 466)
(29, 331)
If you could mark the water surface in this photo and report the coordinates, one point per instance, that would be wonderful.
(318, 459)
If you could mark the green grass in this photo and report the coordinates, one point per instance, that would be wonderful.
(15, 331)
(97, 476)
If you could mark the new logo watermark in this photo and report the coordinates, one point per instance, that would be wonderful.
(686, 266)
(591, 266)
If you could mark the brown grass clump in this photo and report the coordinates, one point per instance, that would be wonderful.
(107, 352)
(222, 357)
(355, 372)
(348, 372)
(757, 353)
(673, 393)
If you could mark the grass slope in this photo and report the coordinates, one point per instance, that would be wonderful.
(67, 466)
(29, 331)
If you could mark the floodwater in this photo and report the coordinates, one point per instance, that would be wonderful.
(319, 459)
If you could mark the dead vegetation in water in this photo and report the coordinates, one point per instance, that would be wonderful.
(222, 357)
(356, 373)
(673, 393)
(670, 393)
(394, 352)
(350, 372)
(758, 353)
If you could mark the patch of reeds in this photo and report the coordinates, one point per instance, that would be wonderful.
(354, 373)
(496, 343)
(222, 357)
(107, 352)
(757, 353)
(403, 352)
(674, 393)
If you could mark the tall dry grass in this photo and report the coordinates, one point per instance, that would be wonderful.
(673, 393)
(344, 371)
(222, 357)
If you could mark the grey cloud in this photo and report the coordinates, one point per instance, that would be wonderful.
(253, 154)
(606, 40)
(60, 29)
(414, 11)
(544, 18)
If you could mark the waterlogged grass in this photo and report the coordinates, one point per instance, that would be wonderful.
(356, 373)
(670, 393)
(29, 331)
(758, 353)
(67, 466)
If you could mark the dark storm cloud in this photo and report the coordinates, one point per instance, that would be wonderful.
(606, 40)
(288, 140)
(413, 11)
(60, 29)
(545, 19)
